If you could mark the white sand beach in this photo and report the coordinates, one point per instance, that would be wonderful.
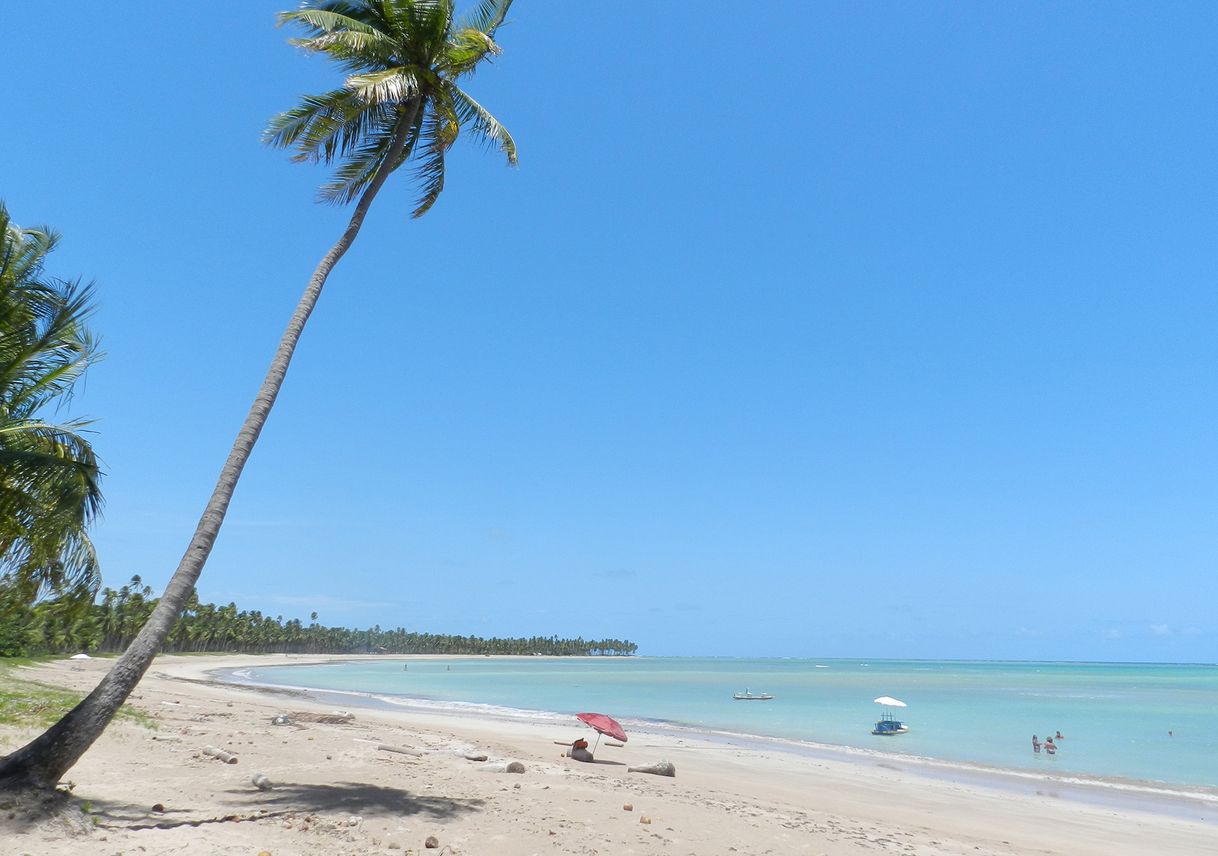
(334, 792)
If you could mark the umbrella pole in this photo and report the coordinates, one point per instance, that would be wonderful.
(598, 742)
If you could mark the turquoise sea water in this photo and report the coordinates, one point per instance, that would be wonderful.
(1115, 717)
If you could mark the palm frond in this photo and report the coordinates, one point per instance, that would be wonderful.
(361, 164)
(331, 18)
(466, 49)
(421, 26)
(439, 132)
(487, 16)
(354, 51)
(324, 127)
(479, 120)
(49, 494)
(391, 85)
(41, 360)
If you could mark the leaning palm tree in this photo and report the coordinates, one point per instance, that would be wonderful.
(400, 103)
(49, 475)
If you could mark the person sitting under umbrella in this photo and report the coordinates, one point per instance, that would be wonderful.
(579, 750)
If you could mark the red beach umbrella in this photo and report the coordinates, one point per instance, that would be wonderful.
(603, 724)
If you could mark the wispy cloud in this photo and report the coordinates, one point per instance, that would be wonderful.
(1160, 629)
(321, 601)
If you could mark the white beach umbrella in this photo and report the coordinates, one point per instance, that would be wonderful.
(890, 701)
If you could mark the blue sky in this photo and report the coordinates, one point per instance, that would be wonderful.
(840, 330)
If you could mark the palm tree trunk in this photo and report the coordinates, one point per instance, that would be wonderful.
(43, 761)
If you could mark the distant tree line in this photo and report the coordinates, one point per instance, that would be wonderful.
(74, 622)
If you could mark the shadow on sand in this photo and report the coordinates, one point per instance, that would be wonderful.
(242, 804)
(28, 809)
(352, 797)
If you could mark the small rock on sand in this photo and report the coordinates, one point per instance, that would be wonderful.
(431, 843)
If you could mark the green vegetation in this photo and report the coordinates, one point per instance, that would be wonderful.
(49, 491)
(65, 626)
(27, 703)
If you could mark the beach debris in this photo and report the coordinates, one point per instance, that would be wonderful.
(431, 843)
(282, 719)
(660, 768)
(159, 808)
(338, 717)
(509, 767)
(628, 807)
(219, 754)
(400, 750)
(645, 819)
(261, 782)
(474, 757)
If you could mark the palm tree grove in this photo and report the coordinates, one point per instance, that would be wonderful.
(71, 624)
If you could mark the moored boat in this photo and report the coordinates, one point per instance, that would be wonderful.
(748, 696)
(888, 723)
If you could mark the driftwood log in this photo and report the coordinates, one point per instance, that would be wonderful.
(661, 768)
(509, 767)
(400, 750)
(220, 754)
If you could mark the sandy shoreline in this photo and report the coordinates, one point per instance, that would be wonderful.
(336, 793)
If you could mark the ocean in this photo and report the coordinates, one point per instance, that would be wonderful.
(1154, 723)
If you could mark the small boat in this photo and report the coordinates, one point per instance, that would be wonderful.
(888, 723)
(748, 696)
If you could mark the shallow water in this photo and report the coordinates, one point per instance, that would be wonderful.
(1116, 718)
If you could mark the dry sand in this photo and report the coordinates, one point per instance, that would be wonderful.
(334, 792)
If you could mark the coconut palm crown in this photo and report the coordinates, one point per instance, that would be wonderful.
(401, 100)
(49, 475)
